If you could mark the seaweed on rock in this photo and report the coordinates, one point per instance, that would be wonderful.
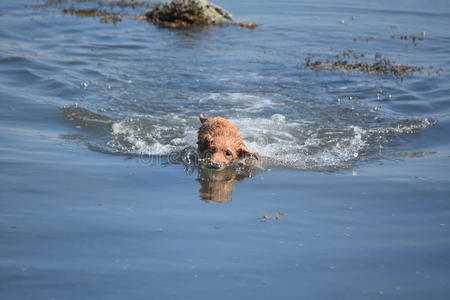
(185, 13)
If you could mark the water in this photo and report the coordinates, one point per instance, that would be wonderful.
(98, 121)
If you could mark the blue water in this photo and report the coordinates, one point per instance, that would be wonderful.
(98, 199)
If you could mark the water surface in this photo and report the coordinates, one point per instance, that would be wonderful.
(96, 119)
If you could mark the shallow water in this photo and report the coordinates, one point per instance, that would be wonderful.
(97, 123)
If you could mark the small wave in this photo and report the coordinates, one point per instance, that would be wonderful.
(279, 141)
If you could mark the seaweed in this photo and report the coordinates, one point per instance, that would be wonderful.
(266, 217)
(362, 39)
(413, 38)
(349, 61)
(126, 3)
(100, 3)
(106, 11)
(250, 25)
(105, 16)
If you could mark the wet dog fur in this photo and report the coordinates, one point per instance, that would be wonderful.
(220, 143)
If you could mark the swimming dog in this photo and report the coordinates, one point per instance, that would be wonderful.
(220, 143)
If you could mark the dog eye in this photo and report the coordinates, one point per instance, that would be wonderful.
(213, 149)
(228, 153)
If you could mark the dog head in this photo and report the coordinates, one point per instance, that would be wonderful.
(220, 143)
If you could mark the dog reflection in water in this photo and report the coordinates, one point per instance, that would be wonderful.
(218, 186)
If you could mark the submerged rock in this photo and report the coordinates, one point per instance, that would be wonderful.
(185, 13)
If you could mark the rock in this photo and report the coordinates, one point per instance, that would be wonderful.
(186, 13)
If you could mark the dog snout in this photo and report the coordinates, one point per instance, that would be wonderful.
(214, 165)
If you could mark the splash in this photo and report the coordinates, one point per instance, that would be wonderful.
(127, 137)
(279, 141)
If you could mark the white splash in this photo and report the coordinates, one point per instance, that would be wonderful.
(279, 141)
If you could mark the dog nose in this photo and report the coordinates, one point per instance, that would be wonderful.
(214, 165)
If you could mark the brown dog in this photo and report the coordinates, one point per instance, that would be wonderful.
(220, 142)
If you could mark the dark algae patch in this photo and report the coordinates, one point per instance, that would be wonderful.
(104, 16)
(349, 61)
(131, 3)
(250, 25)
(364, 39)
(100, 3)
(412, 38)
(106, 11)
(402, 37)
(273, 218)
(405, 37)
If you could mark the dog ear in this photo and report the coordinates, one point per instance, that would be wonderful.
(202, 118)
(244, 152)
